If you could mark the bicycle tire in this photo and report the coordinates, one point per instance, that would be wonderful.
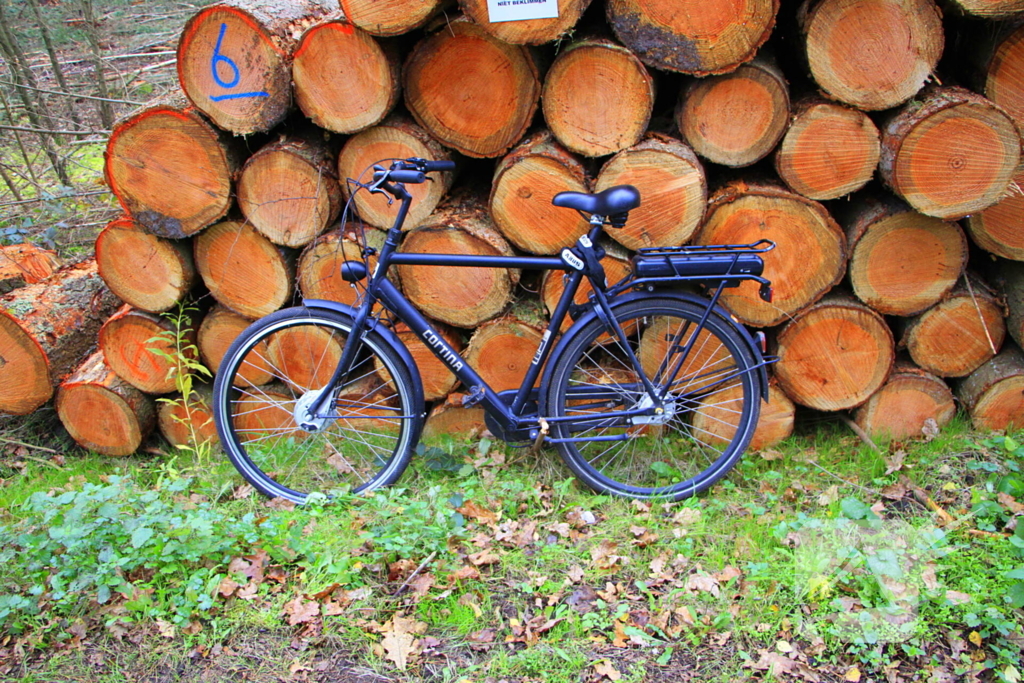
(706, 426)
(274, 367)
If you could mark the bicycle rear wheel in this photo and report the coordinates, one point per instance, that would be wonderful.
(273, 372)
(712, 401)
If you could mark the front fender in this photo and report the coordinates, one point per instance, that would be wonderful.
(384, 333)
(700, 301)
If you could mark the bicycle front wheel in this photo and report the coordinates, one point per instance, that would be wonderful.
(711, 391)
(363, 436)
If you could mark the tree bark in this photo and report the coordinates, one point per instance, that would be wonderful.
(102, 412)
(955, 336)
(672, 186)
(449, 67)
(148, 272)
(1008, 279)
(288, 191)
(693, 37)
(46, 329)
(234, 60)
(809, 258)
(872, 54)
(463, 297)
(396, 138)
(993, 394)
(140, 348)
(243, 269)
(525, 181)
(344, 80)
(991, 9)
(597, 97)
(170, 170)
(951, 153)
(829, 151)
(902, 407)
(1003, 69)
(738, 118)
(902, 262)
(390, 17)
(834, 355)
(529, 31)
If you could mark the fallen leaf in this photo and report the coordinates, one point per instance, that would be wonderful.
(301, 611)
(474, 510)
(603, 556)
(482, 636)
(930, 429)
(242, 491)
(576, 574)
(484, 558)
(853, 675)
(770, 454)
(279, 503)
(422, 584)
(784, 647)
(227, 587)
(829, 496)
(975, 638)
(1010, 503)
(894, 462)
(165, 628)
(605, 669)
(958, 598)
(696, 583)
(465, 572)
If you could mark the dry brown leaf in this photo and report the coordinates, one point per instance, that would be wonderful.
(894, 463)
(958, 598)
(227, 587)
(696, 583)
(422, 584)
(727, 574)
(620, 639)
(399, 648)
(242, 491)
(301, 611)
(895, 491)
(930, 429)
(1010, 503)
(482, 636)
(576, 574)
(400, 570)
(605, 669)
(484, 558)
(465, 572)
(829, 496)
(280, 504)
(165, 628)
(770, 454)
(603, 556)
(474, 510)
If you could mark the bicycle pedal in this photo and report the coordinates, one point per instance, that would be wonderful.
(475, 395)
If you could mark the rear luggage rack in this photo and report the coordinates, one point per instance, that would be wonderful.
(716, 265)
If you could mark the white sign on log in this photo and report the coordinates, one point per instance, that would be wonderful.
(520, 10)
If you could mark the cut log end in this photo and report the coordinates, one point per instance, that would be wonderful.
(876, 54)
(997, 228)
(140, 348)
(829, 151)
(735, 119)
(169, 170)
(528, 31)
(905, 404)
(389, 17)
(994, 393)
(144, 270)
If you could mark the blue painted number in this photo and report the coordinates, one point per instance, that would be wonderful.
(236, 75)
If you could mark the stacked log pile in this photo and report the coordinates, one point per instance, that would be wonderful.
(877, 142)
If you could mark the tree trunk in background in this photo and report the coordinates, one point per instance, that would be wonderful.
(243, 269)
(463, 297)
(170, 170)
(673, 191)
(219, 328)
(234, 60)
(901, 261)
(140, 348)
(908, 399)
(735, 119)
(809, 258)
(829, 151)
(390, 17)
(92, 30)
(46, 329)
(288, 191)
(951, 153)
(146, 271)
(449, 67)
(872, 54)
(344, 80)
(834, 355)
(597, 97)
(525, 181)
(396, 138)
(502, 350)
(954, 337)
(58, 70)
(25, 264)
(102, 412)
(530, 31)
(993, 394)
(698, 37)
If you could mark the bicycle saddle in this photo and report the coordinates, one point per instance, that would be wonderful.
(614, 200)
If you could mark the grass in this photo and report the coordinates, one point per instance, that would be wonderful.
(510, 571)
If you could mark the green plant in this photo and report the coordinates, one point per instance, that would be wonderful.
(176, 346)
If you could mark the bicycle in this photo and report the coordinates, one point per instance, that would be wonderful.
(652, 392)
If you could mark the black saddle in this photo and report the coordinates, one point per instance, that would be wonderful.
(614, 200)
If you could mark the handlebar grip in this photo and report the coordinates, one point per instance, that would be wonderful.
(412, 177)
(439, 166)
